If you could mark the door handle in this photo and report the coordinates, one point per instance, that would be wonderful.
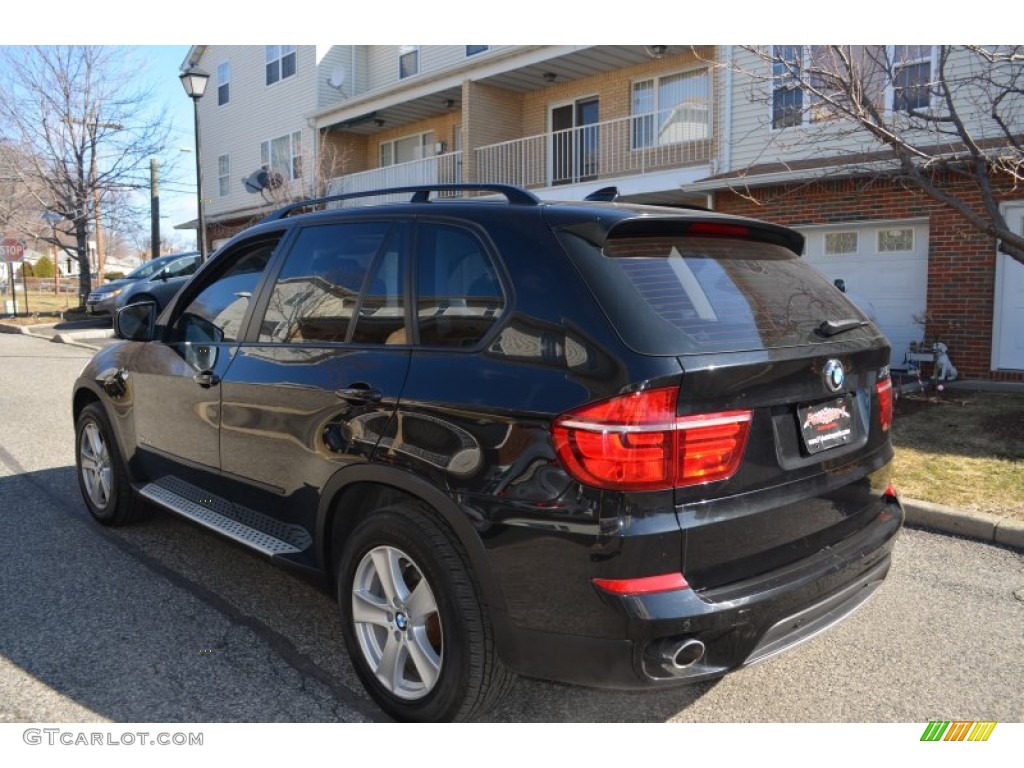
(359, 394)
(206, 379)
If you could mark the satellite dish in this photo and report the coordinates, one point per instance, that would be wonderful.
(337, 78)
(261, 179)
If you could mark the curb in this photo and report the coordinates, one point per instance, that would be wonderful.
(980, 526)
(71, 338)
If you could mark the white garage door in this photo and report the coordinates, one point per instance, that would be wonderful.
(885, 267)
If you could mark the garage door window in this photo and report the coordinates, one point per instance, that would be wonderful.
(895, 240)
(840, 243)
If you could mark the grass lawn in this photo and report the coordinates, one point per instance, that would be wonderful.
(962, 448)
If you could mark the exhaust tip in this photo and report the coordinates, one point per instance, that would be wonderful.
(683, 654)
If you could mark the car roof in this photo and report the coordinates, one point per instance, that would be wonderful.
(594, 219)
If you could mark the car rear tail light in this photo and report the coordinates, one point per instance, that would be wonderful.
(645, 585)
(636, 442)
(884, 389)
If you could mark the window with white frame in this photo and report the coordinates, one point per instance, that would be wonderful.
(473, 50)
(408, 60)
(793, 66)
(407, 149)
(671, 109)
(911, 77)
(280, 62)
(283, 155)
(223, 83)
(787, 95)
(224, 174)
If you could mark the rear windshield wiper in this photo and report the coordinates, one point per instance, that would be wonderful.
(833, 327)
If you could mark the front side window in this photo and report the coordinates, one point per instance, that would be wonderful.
(671, 109)
(283, 155)
(223, 83)
(911, 77)
(216, 313)
(341, 282)
(280, 62)
(459, 295)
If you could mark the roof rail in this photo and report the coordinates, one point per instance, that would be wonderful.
(420, 194)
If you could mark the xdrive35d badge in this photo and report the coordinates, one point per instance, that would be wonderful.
(569, 441)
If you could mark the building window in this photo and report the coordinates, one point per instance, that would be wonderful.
(840, 243)
(224, 174)
(895, 240)
(408, 60)
(280, 62)
(473, 50)
(671, 109)
(407, 149)
(283, 155)
(911, 77)
(787, 95)
(223, 83)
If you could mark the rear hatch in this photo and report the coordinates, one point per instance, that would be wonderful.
(774, 357)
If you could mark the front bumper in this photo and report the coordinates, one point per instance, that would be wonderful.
(100, 305)
(735, 625)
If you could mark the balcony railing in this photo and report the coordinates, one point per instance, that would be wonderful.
(627, 146)
(440, 169)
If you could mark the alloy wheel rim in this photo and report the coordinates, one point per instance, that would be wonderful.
(94, 459)
(397, 623)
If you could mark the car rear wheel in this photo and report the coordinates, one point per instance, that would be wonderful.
(414, 624)
(101, 474)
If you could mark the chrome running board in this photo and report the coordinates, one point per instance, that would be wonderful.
(244, 525)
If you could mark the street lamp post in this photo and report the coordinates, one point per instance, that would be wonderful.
(194, 80)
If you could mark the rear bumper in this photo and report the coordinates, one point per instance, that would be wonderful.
(731, 626)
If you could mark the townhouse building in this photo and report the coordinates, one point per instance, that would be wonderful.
(673, 125)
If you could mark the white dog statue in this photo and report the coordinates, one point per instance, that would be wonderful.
(944, 368)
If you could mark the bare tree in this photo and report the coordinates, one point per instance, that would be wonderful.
(949, 123)
(83, 124)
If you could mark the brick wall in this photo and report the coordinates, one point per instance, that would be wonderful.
(961, 260)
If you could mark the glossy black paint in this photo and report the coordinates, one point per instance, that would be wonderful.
(318, 434)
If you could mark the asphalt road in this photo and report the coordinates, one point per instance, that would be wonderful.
(164, 622)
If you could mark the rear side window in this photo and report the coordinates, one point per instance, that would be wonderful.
(693, 295)
(460, 297)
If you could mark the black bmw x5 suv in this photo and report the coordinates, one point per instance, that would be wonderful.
(606, 444)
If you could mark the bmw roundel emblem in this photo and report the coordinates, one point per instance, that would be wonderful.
(834, 375)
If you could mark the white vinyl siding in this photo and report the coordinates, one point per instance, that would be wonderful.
(255, 114)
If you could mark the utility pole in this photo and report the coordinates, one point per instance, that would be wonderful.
(154, 206)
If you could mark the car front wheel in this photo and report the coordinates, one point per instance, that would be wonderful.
(101, 474)
(419, 636)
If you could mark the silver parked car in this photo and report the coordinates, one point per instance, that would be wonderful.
(103, 300)
(161, 285)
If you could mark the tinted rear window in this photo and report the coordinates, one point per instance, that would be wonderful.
(692, 295)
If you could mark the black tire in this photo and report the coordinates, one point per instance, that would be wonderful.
(439, 623)
(102, 477)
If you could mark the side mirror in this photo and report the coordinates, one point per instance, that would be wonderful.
(136, 322)
(164, 274)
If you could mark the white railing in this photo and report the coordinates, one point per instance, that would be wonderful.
(632, 145)
(440, 169)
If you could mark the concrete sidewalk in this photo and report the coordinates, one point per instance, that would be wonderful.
(980, 526)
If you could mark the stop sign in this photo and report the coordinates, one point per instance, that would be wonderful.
(12, 250)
